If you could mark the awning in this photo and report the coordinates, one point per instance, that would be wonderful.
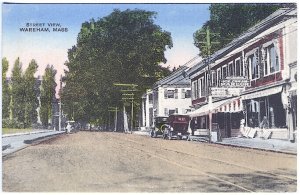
(228, 105)
(262, 93)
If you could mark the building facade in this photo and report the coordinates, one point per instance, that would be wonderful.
(249, 84)
(171, 95)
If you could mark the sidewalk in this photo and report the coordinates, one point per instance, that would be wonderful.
(14, 142)
(275, 145)
(283, 146)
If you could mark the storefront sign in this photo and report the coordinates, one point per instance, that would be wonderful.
(225, 92)
(233, 82)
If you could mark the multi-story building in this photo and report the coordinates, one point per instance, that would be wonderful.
(251, 82)
(170, 95)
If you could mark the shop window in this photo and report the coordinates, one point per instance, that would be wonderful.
(266, 112)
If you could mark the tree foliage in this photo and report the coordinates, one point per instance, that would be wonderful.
(123, 47)
(5, 90)
(47, 94)
(18, 92)
(24, 93)
(228, 21)
(31, 94)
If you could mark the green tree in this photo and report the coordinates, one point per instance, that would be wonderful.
(228, 21)
(124, 47)
(31, 94)
(17, 92)
(5, 90)
(47, 94)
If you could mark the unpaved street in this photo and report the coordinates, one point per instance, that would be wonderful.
(116, 162)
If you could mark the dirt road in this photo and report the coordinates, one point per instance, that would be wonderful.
(115, 162)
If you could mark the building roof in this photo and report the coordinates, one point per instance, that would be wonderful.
(176, 78)
(275, 18)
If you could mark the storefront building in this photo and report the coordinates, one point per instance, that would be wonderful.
(249, 84)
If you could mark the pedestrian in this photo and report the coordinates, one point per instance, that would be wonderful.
(193, 125)
(69, 128)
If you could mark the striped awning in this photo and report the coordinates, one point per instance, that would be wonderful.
(228, 105)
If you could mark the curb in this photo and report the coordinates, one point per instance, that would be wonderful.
(261, 149)
(27, 133)
(30, 141)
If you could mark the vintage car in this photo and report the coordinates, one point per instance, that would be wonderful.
(160, 123)
(177, 127)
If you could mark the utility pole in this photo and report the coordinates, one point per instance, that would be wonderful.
(59, 115)
(207, 46)
(126, 96)
(115, 110)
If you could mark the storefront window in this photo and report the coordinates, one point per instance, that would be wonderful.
(266, 112)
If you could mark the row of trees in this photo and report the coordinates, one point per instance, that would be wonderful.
(20, 95)
(123, 47)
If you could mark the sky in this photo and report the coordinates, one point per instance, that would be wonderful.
(181, 20)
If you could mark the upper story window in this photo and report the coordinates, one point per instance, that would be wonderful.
(239, 70)
(230, 69)
(271, 60)
(195, 89)
(224, 72)
(202, 86)
(253, 68)
(188, 94)
(185, 93)
(150, 96)
(213, 78)
(169, 94)
(219, 75)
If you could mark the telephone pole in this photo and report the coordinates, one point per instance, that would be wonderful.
(207, 46)
(127, 94)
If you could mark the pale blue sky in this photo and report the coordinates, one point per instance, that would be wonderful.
(182, 20)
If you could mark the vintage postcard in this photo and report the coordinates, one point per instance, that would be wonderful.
(149, 97)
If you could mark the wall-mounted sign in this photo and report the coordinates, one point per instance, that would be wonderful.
(235, 82)
(225, 92)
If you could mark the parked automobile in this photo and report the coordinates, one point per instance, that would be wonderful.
(160, 123)
(177, 127)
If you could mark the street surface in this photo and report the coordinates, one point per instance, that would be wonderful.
(117, 162)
